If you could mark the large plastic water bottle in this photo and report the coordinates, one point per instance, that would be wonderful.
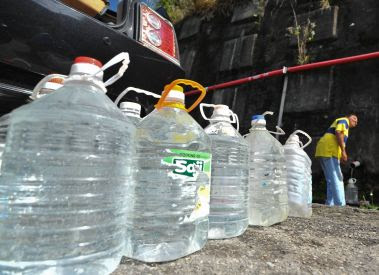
(268, 201)
(299, 176)
(64, 180)
(47, 87)
(132, 111)
(171, 199)
(230, 181)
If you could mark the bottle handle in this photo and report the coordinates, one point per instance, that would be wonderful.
(137, 90)
(280, 131)
(202, 105)
(121, 57)
(233, 115)
(305, 134)
(236, 120)
(268, 113)
(191, 83)
(44, 80)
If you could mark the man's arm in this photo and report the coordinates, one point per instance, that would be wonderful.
(341, 143)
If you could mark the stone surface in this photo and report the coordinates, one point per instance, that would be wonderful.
(190, 27)
(246, 52)
(238, 53)
(228, 54)
(186, 60)
(332, 241)
(309, 91)
(246, 12)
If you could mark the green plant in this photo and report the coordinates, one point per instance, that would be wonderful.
(325, 4)
(178, 9)
(303, 34)
(370, 206)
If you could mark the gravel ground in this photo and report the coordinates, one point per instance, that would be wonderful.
(334, 241)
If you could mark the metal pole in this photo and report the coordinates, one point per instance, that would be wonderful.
(294, 69)
(282, 101)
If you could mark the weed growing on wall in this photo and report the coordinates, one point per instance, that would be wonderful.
(303, 33)
(325, 4)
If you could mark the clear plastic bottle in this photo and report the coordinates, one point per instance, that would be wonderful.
(46, 88)
(299, 176)
(132, 111)
(268, 200)
(352, 192)
(230, 180)
(171, 199)
(64, 180)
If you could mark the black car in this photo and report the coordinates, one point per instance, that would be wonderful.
(39, 37)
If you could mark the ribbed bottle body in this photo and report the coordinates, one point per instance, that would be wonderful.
(299, 180)
(65, 178)
(229, 185)
(352, 194)
(268, 201)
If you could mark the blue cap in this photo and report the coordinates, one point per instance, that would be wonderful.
(256, 117)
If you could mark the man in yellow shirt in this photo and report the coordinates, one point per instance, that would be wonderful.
(330, 149)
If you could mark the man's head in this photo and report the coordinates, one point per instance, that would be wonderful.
(353, 120)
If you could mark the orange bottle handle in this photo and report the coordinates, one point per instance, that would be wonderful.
(191, 83)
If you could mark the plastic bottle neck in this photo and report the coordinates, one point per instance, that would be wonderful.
(174, 104)
(131, 113)
(219, 118)
(91, 82)
(258, 125)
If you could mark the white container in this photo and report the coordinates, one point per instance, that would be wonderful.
(352, 192)
(299, 176)
(171, 199)
(230, 175)
(268, 200)
(64, 180)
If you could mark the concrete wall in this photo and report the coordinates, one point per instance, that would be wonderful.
(243, 44)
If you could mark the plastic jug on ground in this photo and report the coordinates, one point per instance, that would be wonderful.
(268, 200)
(299, 176)
(171, 198)
(65, 172)
(229, 184)
(352, 192)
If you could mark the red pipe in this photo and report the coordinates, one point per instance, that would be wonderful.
(294, 69)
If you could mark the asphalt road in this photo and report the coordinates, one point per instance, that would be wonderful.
(334, 241)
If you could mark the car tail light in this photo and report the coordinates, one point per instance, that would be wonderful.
(158, 34)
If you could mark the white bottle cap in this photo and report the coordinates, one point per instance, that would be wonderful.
(176, 94)
(53, 84)
(293, 139)
(258, 120)
(131, 108)
(50, 86)
(86, 65)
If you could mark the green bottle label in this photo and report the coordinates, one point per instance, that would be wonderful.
(189, 163)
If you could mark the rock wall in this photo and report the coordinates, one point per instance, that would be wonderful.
(254, 39)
